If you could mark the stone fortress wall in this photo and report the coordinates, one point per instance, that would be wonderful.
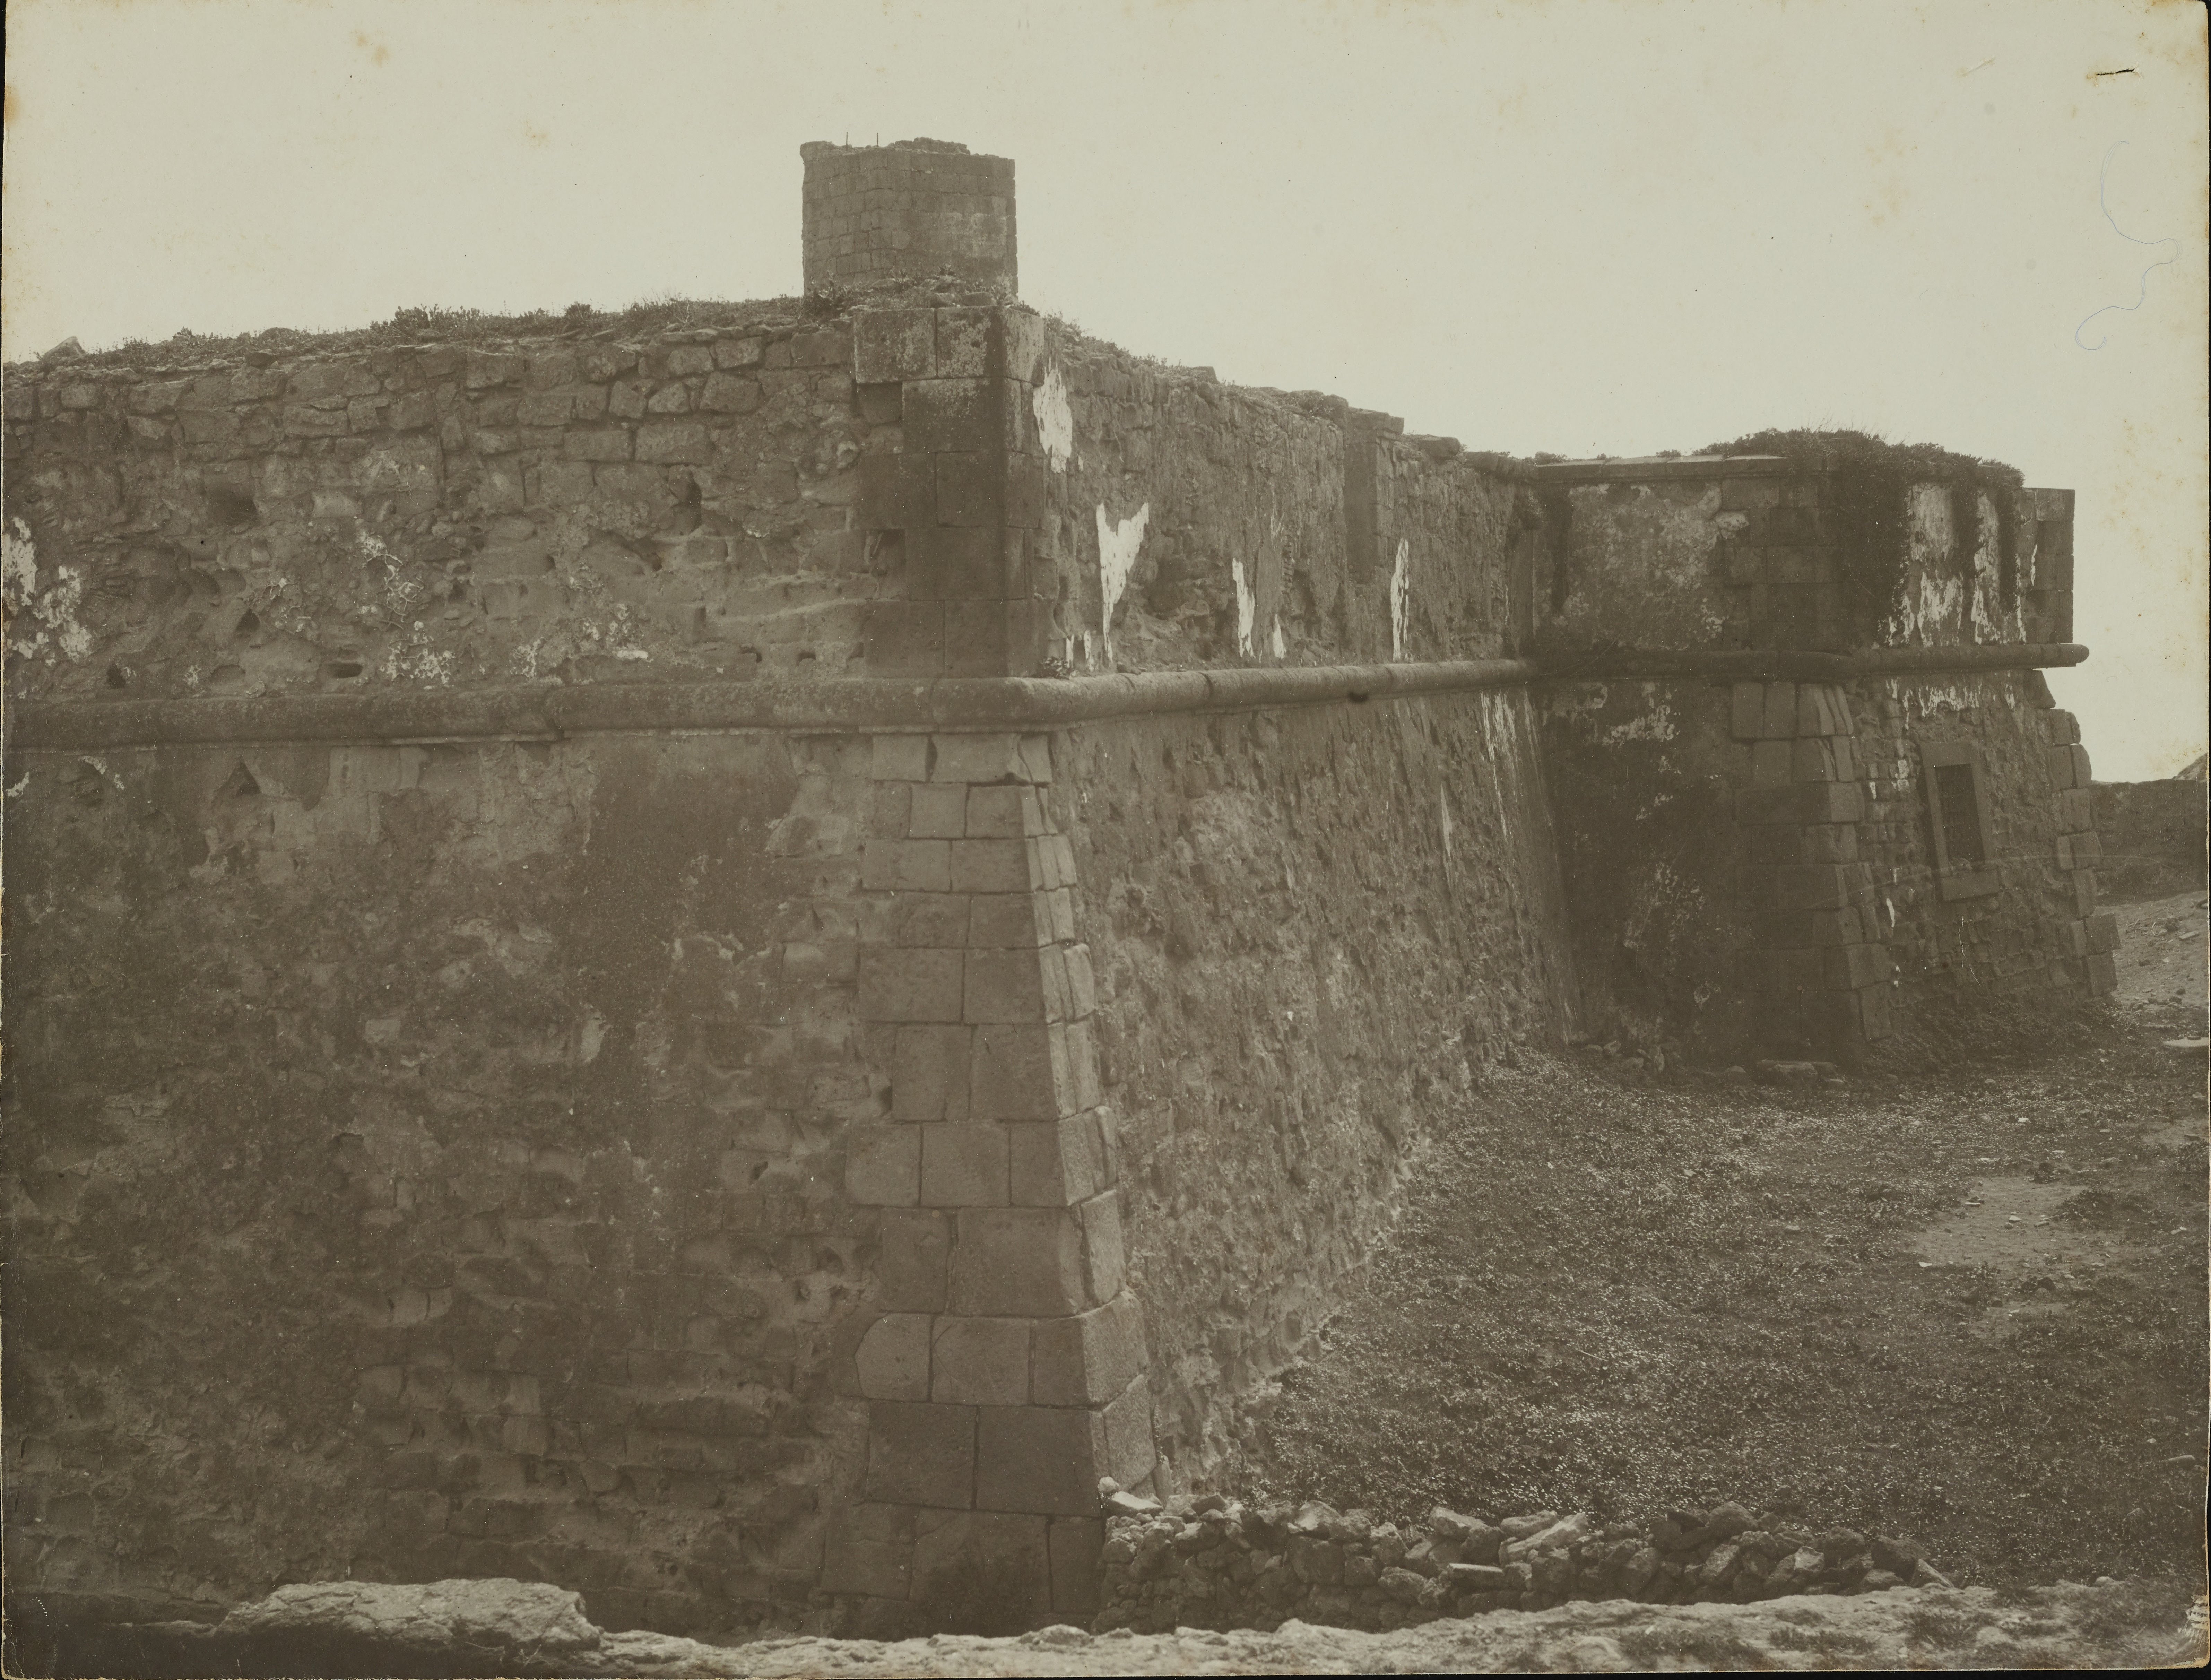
(719, 963)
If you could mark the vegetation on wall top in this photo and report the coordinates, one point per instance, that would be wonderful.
(1869, 480)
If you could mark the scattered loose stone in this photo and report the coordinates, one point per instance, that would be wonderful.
(1213, 1563)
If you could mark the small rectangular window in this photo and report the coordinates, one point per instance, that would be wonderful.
(1958, 818)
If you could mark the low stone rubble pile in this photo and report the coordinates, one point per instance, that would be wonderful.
(1214, 1562)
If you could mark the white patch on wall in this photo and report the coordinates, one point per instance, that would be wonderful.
(1282, 648)
(1247, 608)
(1055, 419)
(1443, 806)
(52, 610)
(1400, 597)
(1655, 723)
(1117, 557)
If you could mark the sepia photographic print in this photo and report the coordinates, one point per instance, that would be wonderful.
(912, 837)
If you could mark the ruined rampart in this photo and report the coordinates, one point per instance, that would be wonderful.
(1756, 863)
(719, 959)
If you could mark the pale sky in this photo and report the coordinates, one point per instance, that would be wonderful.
(1591, 227)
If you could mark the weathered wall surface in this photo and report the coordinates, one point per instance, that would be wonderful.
(1643, 778)
(2152, 835)
(429, 1160)
(1757, 552)
(918, 206)
(585, 506)
(1301, 923)
(1188, 523)
(1751, 871)
(2040, 934)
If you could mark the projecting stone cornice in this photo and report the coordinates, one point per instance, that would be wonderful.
(552, 714)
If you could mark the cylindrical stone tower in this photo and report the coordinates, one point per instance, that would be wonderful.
(916, 207)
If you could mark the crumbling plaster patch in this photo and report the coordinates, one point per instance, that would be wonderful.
(1055, 418)
(1400, 594)
(1247, 606)
(1118, 543)
(53, 609)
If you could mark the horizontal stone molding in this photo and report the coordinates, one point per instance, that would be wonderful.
(882, 704)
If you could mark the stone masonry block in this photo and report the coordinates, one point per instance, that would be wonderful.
(981, 638)
(954, 563)
(1004, 812)
(1769, 762)
(1036, 759)
(1130, 1450)
(938, 810)
(2084, 892)
(899, 758)
(1081, 982)
(1800, 803)
(963, 342)
(896, 492)
(2103, 932)
(2103, 976)
(883, 1165)
(890, 344)
(1010, 1552)
(929, 1073)
(1017, 1262)
(2076, 814)
(866, 1552)
(1104, 1262)
(1018, 1073)
(1080, 1090)
(1747, 712)
(980, 758)
(1076, 1544)
(1040, 1458)
(905, 638)
(963, 1165)
(971, 488)
(928, 919)
(893, 1357)
(906, 865)
(1008, 921)
(1026, 492)
(1799, 887)
(999, 865)
(1850, 967)
(920, 1453)
(981, 1361)
(2079, 850)
(911, 1259)
(1005, 987)
(1822, 708)
(2083, 774)
(952, 414)
(910, 984)
(1055, 1163)
(1822, 758)
(2061, 767)
(1024, 344)
(1089, 1359)
(1827, 843)
(890, 810)
(2064, 727)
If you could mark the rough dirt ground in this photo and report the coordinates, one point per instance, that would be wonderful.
(1964, 1306)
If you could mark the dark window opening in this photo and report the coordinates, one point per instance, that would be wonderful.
(1960, 819)
(1957, 819)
